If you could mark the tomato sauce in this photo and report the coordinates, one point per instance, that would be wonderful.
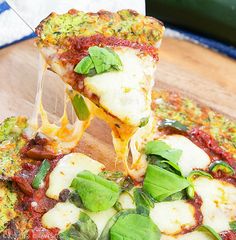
(34, 203)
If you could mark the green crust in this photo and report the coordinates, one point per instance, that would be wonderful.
(11, 141)
(8, 200)
(125, 24)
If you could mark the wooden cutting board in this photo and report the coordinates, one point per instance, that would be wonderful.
(197, 72)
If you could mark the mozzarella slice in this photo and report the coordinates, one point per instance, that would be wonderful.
(127, 201)
(67, 169)
(219, 202)
(126, 94)
(61, 216)
(173, 217)
(101, 218)
(192, 156)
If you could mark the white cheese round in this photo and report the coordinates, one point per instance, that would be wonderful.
(67, 169)
(192, 156)
(219, 202)
(61, 216)
(171, 217)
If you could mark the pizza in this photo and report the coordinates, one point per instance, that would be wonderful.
(177, 178)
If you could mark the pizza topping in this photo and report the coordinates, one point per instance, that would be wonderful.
(40, 233)
(173, 124)
(79, 105)
(192, 156)
(233, 225)
(134, 226)
(223, 167)
(96, 193)
(84, 228)
(174, 217)
(42, 172)
(160, 183)
(66, 170)
(61, 216)
(98, 61)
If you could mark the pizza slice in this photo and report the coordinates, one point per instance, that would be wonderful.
(109, 58)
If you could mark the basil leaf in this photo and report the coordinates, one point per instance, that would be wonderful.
(84, 229)
(142, 201)
(174, 124)
(173, 165)
(162, 149)
(206, 228)
(84, 66)
(80, 107)
(125, 182)
(97, 194)
(134, 226)
(233, 226)
(160, 183)
(105, 233)
(156, 147)
(144, 121)
(181, 195)
(76, 200)
(104, 59)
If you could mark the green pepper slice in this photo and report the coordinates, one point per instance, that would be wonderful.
(39, 177)
(223, 167)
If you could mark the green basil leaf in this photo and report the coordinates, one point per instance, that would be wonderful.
(105, 235)
(97, 194)
(125, 182)
(134, 226)
(162, 149)
(84, 66)
(144, 121)
(174, 124)
(162, 163)
(142, 201)
(76, 200)
(83, 229)
(206, 228)
(160, 183)
(181, 195)
(233, 226)
(104, 59)
(80, 107)
(156, 147)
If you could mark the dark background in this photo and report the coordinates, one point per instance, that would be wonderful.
(211, 18)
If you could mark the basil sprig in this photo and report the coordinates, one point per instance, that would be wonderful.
(96, 193)
(83, 229)
(161, 154)
(98, 61)
(160, 183)
(128, 224)
(134, 226)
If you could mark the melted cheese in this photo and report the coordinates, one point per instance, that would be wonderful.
(172, 217)
(192, 156)
(67, 169)
(61, 216)
(101, 218)
(219, 202)
(124, 93)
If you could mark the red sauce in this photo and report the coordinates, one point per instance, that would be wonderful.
(211, 146)
(78, 47)
(228, 235)
(34, 203)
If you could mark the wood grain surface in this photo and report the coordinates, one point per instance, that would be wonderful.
(197, 72)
